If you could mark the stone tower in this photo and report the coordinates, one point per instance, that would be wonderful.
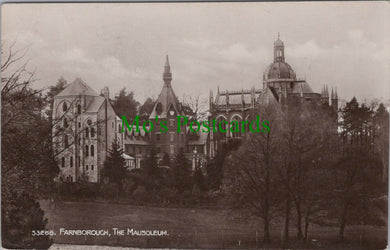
(167, 107)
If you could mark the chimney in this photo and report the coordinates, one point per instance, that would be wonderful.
(105, 92)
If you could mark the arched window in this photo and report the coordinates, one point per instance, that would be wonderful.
(119, 128)
(247, 127)
(92, 132)
(71, 162)
(86, 132)
(92, 150)
(86, 167)
(66, 142)
(63, 162)
(86, 150)
(221, 125)
(64, 107)
(65, 123)
(92, 167)
(234, 124)
(78, 109)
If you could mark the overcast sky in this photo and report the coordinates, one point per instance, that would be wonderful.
(209, 44)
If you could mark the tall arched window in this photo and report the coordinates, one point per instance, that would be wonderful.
(236, 126)
(221, 125)
(92, 150)
(65, 122)
(63, 162)
(86, 150)
(92, 132)
(78, 109)
(64, 107)
(86, 132)
(71, 162)
(66, 141)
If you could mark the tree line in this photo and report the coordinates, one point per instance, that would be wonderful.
(314, 168)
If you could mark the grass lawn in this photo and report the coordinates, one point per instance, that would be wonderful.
(191, 228)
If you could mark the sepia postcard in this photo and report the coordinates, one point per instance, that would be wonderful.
(195, 125)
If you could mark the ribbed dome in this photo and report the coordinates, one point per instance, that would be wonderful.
(278, 43)
(279, 70)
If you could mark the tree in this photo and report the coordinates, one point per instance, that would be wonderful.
(145, 109)
(357, 172)
(27, 163)
(181, 171)
(214, 167)
(303, 147)
(166, 160)
(53, 91)
(24, 214)
(251, 172)
(125, 104)
(114, 165)
(199, 179)
(194, 107)
(381, 124)
(152, 174)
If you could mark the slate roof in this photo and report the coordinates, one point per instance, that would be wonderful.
(301, 86)
(77, 87)
(95, 104)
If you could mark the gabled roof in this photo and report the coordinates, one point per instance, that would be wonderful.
(77, 87)
(167, 98)
(95, 104)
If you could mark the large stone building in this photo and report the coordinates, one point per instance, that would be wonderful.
(166, 141)
(85, 126)
(280, 85)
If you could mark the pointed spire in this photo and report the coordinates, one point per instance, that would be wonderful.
(278, 35)
(332, 94)
(167, 76)
(326, 90)
(166, 61)
(335, 93)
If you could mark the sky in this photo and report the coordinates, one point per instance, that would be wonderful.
(342, 44)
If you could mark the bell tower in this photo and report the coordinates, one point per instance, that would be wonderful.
(278, 50)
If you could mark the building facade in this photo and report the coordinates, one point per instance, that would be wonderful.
(280, 86)
(85, 126)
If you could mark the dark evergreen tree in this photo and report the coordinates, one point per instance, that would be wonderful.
(125, 104)
(25, 214)
(145, 109)
(358, 170)
(114, 165)
(166, 160)
(181, 171)
(199, 179)
(151, 164)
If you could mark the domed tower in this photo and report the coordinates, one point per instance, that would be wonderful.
(279, 74)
